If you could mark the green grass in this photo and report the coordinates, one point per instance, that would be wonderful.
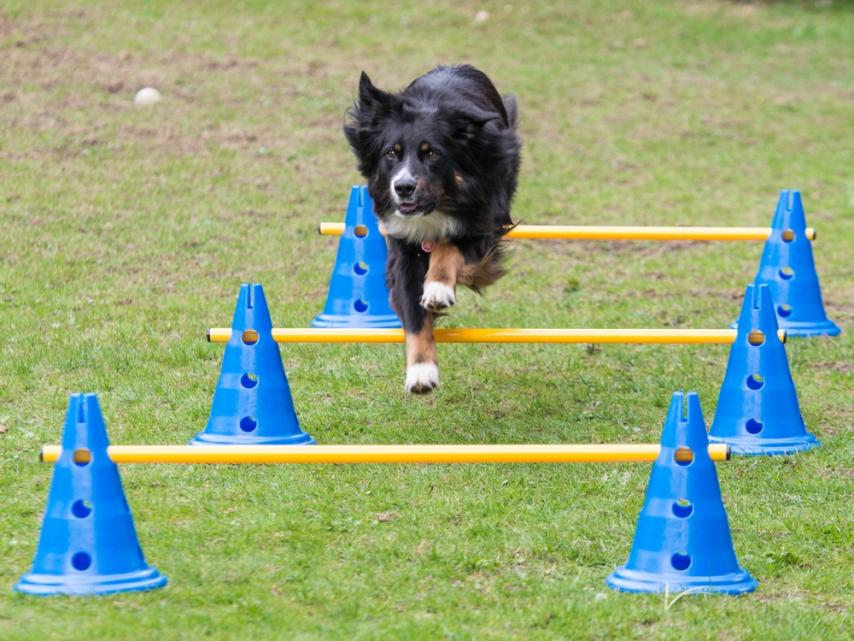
(125, 233)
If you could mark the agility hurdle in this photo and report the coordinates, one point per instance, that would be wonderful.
(600, 232)
(88, 542)
(381, 454)
(500, 335)
(358, 296)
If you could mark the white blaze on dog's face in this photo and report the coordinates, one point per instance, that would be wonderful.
(401, 181)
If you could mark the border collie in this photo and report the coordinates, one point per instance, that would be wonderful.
(441, 159)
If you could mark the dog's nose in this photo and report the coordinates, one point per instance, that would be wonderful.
(404, 188)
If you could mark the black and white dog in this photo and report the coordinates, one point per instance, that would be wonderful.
(441, 159)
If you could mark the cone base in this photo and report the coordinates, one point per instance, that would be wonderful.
(53, 584)
(752, 446)
(827, 328)
(361, 321)
(805, 329)
(626, 580)
(203, 438)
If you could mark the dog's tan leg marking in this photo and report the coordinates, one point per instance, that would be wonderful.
(422, 374)
(446, 261)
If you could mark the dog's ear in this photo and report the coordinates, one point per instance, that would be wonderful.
(364, 117)
(467, 124)
(374, 101)
(512, 109)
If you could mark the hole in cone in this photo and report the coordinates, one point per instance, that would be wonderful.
(788, 235)
(360, 305)
(81, 561)
(361, 268)
(680, 561)
(684, 456)
(786, 273)
(682, 508)
(250, 337)
(784, 310)
(360, 230)
(753, 426)
(249, 380)
(756, 337)
(81, 509)
(755, 382)
(248, 423)
(81, 457)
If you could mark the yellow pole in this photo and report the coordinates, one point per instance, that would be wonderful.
(267, 454)
(498, 335)
(602, 232)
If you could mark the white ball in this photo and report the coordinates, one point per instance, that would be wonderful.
(146, 96)
(481, 16)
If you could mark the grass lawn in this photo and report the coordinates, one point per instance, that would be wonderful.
(126, 232)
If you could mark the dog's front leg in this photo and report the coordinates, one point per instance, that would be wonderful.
(422, 373)
(406, 271)
(446, 260)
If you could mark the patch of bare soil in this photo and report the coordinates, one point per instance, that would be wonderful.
(75, 94)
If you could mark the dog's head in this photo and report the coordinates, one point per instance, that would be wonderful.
(422, 152)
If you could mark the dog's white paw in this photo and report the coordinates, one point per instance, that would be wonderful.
(437, 296)
(422, 378)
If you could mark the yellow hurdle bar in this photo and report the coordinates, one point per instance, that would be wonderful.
(349, 454)
(600, 232)
(496, 335)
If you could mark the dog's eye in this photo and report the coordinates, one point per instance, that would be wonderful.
(432, 154)
(391, 154)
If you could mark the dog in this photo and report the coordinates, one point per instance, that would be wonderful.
(441, 159)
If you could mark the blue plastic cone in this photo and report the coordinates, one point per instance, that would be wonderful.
(758, 410)
(252, 403)
(88, 543)
(787, 267)
(682, 541)
(358, 296)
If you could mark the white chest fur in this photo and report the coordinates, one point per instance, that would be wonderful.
(418, 228)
